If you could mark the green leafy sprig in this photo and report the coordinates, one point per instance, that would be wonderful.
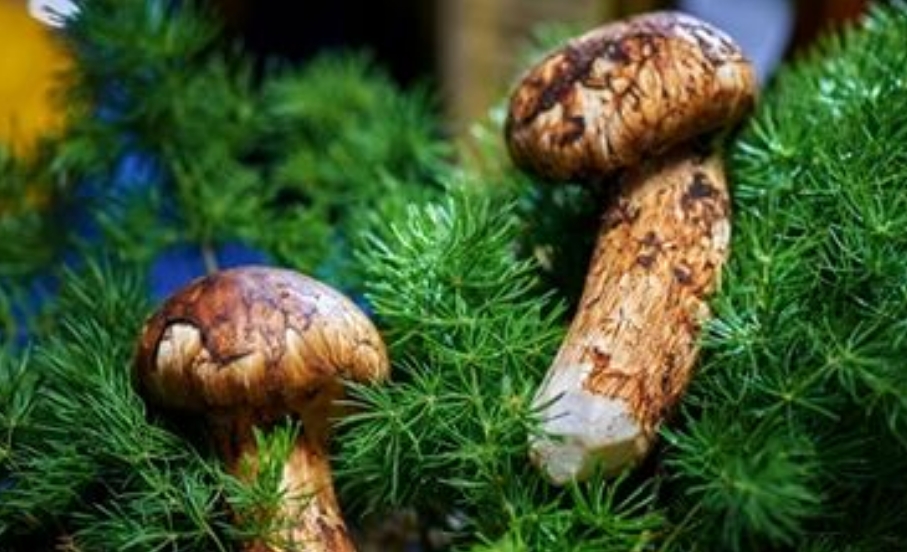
(84, 466)
(83, 437)
(345, 147)
(795, 427)
(471, 334)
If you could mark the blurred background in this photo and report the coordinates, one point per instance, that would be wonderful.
(468, 51)
(470, 48)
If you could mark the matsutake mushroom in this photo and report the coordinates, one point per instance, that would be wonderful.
(248, 347)
(633, 103)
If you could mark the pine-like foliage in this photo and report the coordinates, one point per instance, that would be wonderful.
(472, 335)
(792, 436)
(795, 428)
(83, 466)
(80, 455)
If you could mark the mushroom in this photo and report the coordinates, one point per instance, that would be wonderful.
(248, 347)
(634, 104)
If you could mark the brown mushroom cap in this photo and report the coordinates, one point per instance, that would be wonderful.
(255, 337)
(625, 91)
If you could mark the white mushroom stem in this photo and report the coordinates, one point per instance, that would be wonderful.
(633, 343)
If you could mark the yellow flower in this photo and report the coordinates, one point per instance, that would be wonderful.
(30, 63)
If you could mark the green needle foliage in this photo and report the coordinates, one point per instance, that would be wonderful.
(792, 436)
(472, 334)
(26, 236)
(78, 436)
(83, 465)
(347, 144)
(795, 427)
(32, 204)
(446, 286)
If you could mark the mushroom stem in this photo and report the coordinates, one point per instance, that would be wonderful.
(309, 516)
(631, 347)
(209, 257)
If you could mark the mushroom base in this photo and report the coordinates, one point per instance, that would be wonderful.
(584, 432)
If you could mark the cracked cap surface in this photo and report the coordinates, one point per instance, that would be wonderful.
(255, 337)
(626, 91)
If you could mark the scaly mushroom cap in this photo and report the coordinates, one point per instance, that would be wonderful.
(255, 337)
(625, 91)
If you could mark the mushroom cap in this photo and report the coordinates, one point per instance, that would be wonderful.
(255, 337)
(625, 91)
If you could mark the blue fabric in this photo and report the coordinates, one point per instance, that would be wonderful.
(179, 265)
